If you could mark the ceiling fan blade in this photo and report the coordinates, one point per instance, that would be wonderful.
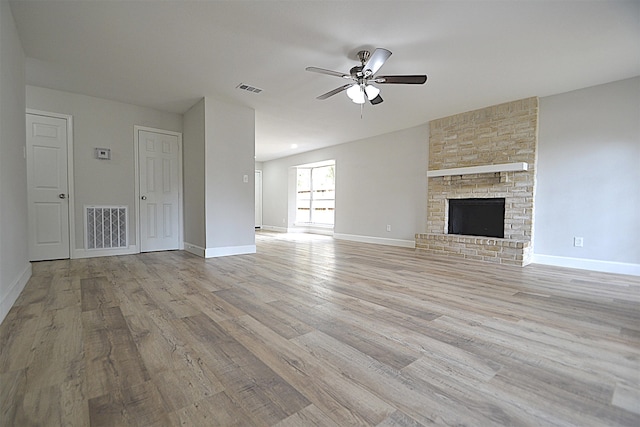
(377, 100)
(333, 92)
(376, 60)
(328, 72)
(408, 80)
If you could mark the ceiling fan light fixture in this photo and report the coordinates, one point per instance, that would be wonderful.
(371, 91)
(356, 94)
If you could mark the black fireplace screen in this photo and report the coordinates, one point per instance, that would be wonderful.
(477, 217)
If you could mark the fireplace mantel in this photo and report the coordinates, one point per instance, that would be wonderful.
(504, 167)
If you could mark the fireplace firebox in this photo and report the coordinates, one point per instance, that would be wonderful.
(477, 217)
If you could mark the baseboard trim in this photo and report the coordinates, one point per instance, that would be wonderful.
(94, 253)
(376, 240)
(229, 250)
(194, 249)
(15, 288)
(588, 264)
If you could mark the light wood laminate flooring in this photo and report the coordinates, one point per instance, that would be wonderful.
(314, 331)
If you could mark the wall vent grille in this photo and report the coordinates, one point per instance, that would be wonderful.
(105, 227)
(249, 88)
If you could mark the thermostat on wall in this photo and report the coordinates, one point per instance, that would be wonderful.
(103, 153)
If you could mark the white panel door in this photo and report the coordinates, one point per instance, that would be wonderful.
(47, 188)
(159, 191)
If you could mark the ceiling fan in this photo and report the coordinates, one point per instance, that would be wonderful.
(361, 89)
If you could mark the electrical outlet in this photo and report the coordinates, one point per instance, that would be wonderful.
(388, 227)
(578, 242)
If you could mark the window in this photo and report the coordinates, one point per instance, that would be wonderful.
(315, 199)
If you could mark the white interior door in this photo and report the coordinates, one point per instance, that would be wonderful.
(258, 199)
(47, 188)
(158, 157)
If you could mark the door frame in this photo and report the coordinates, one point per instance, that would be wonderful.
(71, 197)
(136, 175)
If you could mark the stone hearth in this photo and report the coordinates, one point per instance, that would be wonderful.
(497, 135)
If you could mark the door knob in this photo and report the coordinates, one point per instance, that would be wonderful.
(62, 196)
(144, 197)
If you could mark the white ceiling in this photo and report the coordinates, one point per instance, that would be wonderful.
(169, 54)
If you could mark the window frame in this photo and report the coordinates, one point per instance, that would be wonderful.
(311, 199)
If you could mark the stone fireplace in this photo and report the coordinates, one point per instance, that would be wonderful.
(483, 154)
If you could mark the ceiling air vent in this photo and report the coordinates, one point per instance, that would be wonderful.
(248, 88)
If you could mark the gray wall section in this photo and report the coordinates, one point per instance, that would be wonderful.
(380, 181)
(15, 268)
(229, 154)
(102, 123)
(194, 175)
(588, 177)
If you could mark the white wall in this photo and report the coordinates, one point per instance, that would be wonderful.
(102, 123)
(229, 156)
(588, 178)
(219, 150)
(15, 268)
(194, 179)
(380, 181)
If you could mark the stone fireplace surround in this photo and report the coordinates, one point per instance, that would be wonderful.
(505, 134)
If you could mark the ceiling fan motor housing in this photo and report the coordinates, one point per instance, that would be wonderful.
(356, 72)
